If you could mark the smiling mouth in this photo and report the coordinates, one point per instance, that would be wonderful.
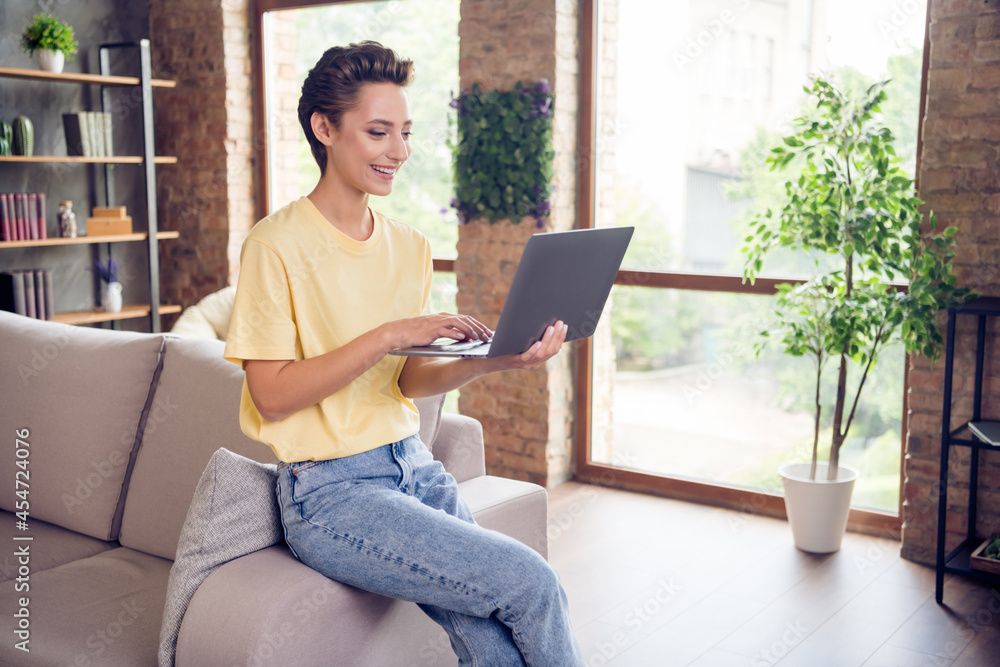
(385, 171)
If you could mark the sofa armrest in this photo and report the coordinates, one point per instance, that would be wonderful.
(267, 608)
(459, 446)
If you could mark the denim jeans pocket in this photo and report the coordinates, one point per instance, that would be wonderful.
(323, 482)
(298, 467)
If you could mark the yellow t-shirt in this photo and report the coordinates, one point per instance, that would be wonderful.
(305, 288)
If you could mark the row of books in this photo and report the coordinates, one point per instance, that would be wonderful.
(88, 133)
(28, 292)
(22, 216)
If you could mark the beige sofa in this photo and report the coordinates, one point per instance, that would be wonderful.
(108, 435)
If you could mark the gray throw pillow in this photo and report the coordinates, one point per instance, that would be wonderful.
(233, 513)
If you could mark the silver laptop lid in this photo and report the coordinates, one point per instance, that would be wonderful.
(561, 276)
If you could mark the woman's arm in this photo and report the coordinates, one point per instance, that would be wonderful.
(427, 376)
(280, 388)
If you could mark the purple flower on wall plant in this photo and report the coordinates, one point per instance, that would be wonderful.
(541, 106)
(457, 103)
(541, 211)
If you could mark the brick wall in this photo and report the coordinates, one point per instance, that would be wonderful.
(960, 182)
(207, 122)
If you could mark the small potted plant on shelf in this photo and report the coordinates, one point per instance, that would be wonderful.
(852, 210)
(52, 39)
(111, 287)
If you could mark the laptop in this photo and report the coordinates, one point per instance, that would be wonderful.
(561, 276)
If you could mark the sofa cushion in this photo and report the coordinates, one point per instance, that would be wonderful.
(430, 418)
(195, 412)
(512, 507)
(209, 318)
(459, 446)
(234, 512)
(50, 546)
(104, 610)
(80, 396)
(295, 616)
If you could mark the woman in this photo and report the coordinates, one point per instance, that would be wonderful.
(327, 288)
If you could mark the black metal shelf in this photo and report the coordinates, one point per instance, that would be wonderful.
(958, 560)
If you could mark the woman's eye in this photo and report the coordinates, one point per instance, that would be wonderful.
(376, 133)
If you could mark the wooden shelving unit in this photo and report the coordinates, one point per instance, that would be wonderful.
(77, 77)
(128, 312)
(152, 236)
(72, 159)
(83, 240)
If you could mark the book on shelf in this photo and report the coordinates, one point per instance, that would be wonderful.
(28, 292)
(21, 207)
(987, 431)
(96, 136)
(30, 305)
(22, 216)
(6, 227)
(88, 133)
(73, 130)
(12, 292)
(108, 149)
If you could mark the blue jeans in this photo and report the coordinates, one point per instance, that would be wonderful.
(390, 521)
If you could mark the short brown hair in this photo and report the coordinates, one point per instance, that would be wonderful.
(332, 85)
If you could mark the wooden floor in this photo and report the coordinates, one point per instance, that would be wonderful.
(655, 582)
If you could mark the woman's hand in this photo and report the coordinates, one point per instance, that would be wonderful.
(426, 329)
(425, 376)
(540, 352)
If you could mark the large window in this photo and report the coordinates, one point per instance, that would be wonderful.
(683, 131)
(426, 31)
(687, 96)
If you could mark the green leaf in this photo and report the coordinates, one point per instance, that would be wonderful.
(503, 159)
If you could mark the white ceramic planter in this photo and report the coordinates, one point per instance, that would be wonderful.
(817, 509)
(111, 297)
(51, 61)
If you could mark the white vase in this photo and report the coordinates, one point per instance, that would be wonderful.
(817, 508)
(51, 61)
(111, 297)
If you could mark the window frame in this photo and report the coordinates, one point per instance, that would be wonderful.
(742, 499)
(587, 471)
(261, 144)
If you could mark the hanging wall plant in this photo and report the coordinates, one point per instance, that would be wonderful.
(503, 157)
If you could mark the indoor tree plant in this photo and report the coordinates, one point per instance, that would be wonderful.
(52, 39)
(852, 209)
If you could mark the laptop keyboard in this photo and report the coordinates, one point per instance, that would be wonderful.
(465, 345)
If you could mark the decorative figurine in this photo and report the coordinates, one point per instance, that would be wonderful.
(67, 220)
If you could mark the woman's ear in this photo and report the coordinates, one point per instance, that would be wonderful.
(322, 128)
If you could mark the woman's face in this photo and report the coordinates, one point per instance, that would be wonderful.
(373, 140)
